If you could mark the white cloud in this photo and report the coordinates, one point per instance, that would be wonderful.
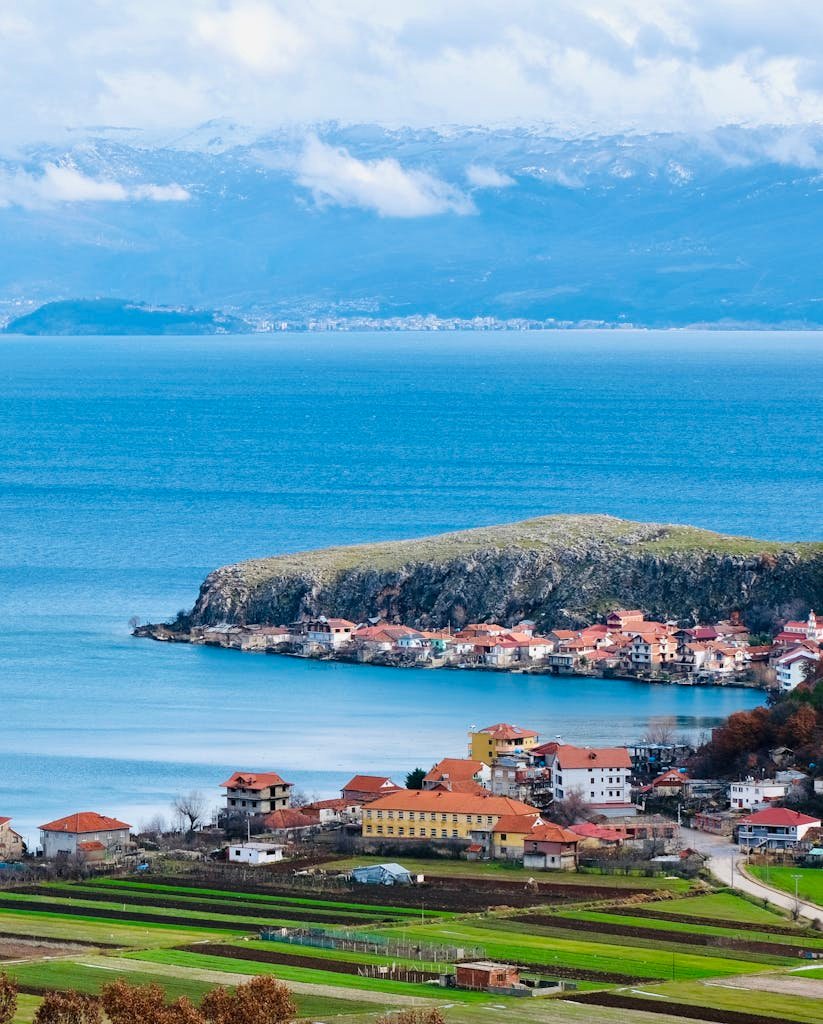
(256, 35)
(63, 184)
(335, 177)
(579, 65)
(483, 176)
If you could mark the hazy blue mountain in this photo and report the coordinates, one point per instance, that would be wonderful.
(658, 230)
(114, 316)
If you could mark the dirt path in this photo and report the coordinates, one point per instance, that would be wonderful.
(782, 984)
(124, 965)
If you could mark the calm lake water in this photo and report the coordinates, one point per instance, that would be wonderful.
(131, 467)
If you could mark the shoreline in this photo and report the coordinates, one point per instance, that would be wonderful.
(161, 634)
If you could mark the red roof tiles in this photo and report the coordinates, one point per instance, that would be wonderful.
(84, 821)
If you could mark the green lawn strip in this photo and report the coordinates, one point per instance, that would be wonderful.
(743, 931)
(809, 886)
(92, 930)
(331, 954)
(305, 974)
(232, 922)
(667, 941)
(721, 905)
(234, 907)
(624, 958)
(26, 1009)
(52, 924)
(541, 1011)
(767, 1004)
(502, 871)
(297, 901)
(65, 974)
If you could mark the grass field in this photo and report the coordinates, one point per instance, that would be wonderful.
(809, 886)
(509, 872)
(663, 962)
(725, 905)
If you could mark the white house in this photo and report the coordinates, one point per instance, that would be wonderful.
(601, 775)
(255, 854)
(330, 633)
(791, 668)
(85, 834)
(776, 828)
(755, 794)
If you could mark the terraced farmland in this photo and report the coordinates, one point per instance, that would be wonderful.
(640, 961)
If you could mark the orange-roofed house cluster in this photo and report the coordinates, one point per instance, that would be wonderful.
(625, 643)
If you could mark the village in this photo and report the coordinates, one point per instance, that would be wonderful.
(547, 806)
(624, 644)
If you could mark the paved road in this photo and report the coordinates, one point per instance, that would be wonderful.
(728, 866)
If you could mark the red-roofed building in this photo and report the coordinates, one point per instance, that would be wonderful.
(776, 828)
(600, 775)
(670, 783)
(11, 842)
(362, 789)
(597, 835)
(291, 820)
(622, 619)
(455, 770)
(66, 837)
(330, 633)
(498, 740)
(550, 847)
(329, 812)
(253, 793)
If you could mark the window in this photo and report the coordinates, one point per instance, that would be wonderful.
(444, 833)
(454, 833)
(401, 831)
(422, 831)
(411, 831)
(390, 830)
(380, 830)
(503, 835)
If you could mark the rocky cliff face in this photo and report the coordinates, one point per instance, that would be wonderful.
(558, 570)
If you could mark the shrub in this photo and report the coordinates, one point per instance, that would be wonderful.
(8, 999)
(68, 1008)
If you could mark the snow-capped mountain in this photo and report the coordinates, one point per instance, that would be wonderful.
(515, 222)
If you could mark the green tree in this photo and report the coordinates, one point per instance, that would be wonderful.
(414, 780)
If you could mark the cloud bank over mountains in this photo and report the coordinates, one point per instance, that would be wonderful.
(580, 65)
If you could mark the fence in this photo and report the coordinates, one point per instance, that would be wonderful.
(364, 942)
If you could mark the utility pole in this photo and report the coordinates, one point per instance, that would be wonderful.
(796, 895)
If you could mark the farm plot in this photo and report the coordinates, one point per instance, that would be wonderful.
(716, 908)
(762, 949)
(810, 882)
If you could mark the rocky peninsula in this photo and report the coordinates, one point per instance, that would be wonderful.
(559, 571)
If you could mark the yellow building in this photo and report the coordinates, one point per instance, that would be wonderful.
(437, 814)
(495, 741)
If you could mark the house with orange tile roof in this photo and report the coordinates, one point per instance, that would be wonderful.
(330, 634)
(362, 789)
(11, 842)
(550, 847)
(509, 833)
(494, 741)
(290, 821)
(415, 814)
(250, 793)
(600, 775)
(85, 834)
(456, 770)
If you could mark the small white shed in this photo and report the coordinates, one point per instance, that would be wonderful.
(255, 853)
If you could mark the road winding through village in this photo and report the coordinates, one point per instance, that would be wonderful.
(727, 865)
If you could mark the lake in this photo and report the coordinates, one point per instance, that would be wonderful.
(130, 467)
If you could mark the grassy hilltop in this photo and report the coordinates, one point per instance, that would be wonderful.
(560, 569)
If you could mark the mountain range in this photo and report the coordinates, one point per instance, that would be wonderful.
(359, 222)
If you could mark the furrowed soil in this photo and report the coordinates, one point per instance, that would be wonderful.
(213, 907)
(684, 938)
(124, 915)
(719, 922)
(265, 956)
(673, 1009)
(439, 892)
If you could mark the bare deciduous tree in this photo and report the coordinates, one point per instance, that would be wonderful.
(263, 1000)
(190, 809)
(68, 1008)
(8, 999)
(661, 731)
(571, 809)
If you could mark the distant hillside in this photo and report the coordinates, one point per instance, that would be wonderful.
(558, 570)
(658, 230)
(114, 316)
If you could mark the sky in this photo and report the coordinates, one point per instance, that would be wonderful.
(581, 66)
